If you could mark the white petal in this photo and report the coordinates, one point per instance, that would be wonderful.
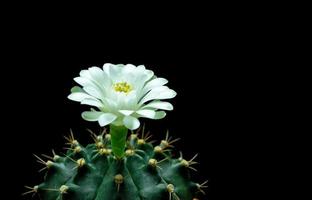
(126, 112)
(99, 77)
(79, 96)
(143, 74)
(141, 67)
(160, 115)
(153, 84)
(131, 100)
(159, 105)
(128, 68)
(149, 74)
(85, 73)
(91, 115)
(94, 91)
(147, 113)
(92, 102)
(161, 92)
(106, 67)
(115, 73)
(112, 105)
(83, 81)
(131, 123)
(106, 118)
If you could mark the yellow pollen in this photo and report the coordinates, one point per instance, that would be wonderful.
(122, 87)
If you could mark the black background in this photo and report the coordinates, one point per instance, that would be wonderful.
(208, 59)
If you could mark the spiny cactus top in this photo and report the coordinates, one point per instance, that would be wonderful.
(92, 172)
(122, 94)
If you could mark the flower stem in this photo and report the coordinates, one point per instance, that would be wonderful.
(118, 138)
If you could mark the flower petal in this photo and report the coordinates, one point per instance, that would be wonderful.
(131, 100)
(106, 118)
(92, 102)
(106, 67)
(83, 81)
(146, 113)
(111, 105)
(79, 96)
(131, 123)
(94, 91)
(128, 68)
(154, 83)
(126, 112)
(91, 116)
(141, 67)
(159, 105)
(99, 76)
(148, 75)
(161, 92)
(115, 73)
(160, 115)
(85, 73)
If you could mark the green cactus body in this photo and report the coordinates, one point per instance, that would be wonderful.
(94, 173)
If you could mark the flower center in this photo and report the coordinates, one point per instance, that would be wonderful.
(122, 87)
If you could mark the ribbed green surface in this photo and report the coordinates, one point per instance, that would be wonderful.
(89, 173)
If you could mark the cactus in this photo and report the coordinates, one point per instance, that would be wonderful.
(94, 173)
(114, 167)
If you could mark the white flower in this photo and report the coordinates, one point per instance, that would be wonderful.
(122, 94)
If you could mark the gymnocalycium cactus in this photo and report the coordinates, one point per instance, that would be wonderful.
(117, 166)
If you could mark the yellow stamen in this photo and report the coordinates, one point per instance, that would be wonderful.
(122, 87)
